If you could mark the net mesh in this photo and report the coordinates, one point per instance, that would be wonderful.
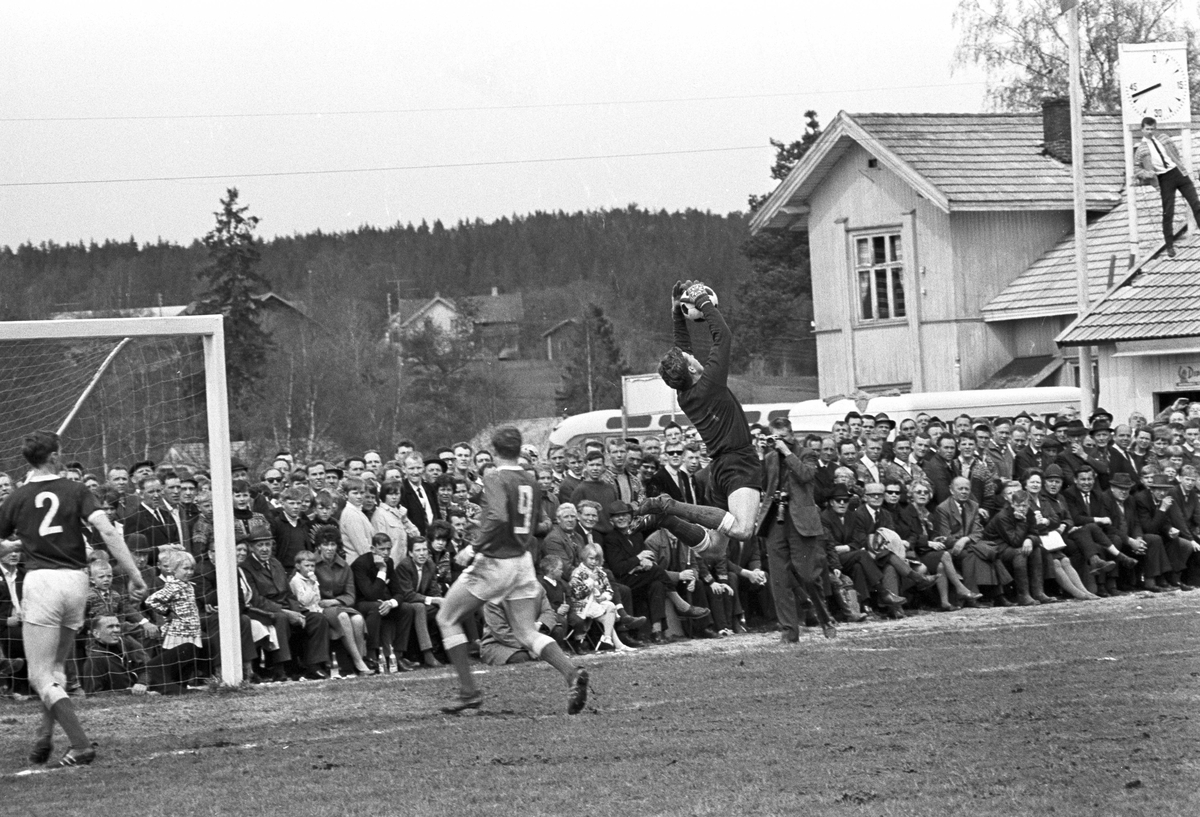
(147, 401)
(122, 400)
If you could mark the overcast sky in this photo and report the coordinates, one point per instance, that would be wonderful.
(420, 86)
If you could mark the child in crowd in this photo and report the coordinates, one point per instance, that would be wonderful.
(345, 623)
(592, 598)
(176, 601)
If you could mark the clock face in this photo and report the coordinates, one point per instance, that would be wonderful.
(1154, 83)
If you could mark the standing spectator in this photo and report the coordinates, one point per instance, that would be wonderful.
(176, 602)
(356, 529)
(151, 518)
(391, 518)
(291, 528)
(594, 487)
(415, 497)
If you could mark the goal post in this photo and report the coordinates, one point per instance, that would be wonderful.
(18, 338)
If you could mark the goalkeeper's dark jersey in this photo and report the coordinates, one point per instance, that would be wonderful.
(514, 501)
(48, 516)
(709, 404)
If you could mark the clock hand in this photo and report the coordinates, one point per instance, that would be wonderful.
(1145, 90)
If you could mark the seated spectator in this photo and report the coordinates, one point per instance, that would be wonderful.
(273, 600)
(592, 599)
(442, 551)
(499, 645)
(389, 623)
(176, 603)
(336, 581)
(103, 599)
(956, 523)
(846, 534)
(569, 627)
(421, 594)
(913, 523)
(205, 580)
(1013, 532)
(345, 623)
(109, 667)
(565, 539)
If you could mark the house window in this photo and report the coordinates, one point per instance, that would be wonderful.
(879, 265)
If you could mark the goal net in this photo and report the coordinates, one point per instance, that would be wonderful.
(121, 391)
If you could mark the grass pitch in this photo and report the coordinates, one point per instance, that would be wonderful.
(1069, 709)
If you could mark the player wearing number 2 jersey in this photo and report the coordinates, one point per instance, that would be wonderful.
(47, 514)
(501, 571)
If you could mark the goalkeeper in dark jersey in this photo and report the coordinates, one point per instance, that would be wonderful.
(703, 393)
(501, 571)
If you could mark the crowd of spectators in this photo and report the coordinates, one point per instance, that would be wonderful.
(342, 566)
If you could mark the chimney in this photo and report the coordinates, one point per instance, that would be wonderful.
(1056, 128)
(495, 292)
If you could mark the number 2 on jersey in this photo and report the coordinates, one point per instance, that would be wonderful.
(47, 528)
(524, 509)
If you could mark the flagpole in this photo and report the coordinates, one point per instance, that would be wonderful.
(1087, 391)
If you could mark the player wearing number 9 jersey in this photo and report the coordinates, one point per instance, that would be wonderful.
(501, 571)
(47, 514)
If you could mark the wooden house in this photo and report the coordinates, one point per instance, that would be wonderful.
(923, 230)
(495, 319)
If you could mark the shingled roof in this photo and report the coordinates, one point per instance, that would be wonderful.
(1047, 287)
(979, 162)
(1159, 299)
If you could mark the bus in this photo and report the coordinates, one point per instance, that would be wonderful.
(818, 416)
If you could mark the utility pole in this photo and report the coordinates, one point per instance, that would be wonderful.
(1087, 399)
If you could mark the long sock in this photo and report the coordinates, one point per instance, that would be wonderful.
(64, 712)
(688, 533)
(46, 725)
(461, 659)
(553, 655)
(678, 601)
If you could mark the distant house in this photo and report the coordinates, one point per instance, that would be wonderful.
(496, 319)
(942, 246)
(561, 338)
(276, 312)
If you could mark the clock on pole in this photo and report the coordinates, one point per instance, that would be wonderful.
(1154, 82)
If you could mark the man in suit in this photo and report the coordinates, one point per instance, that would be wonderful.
(421, 503)
(669, 477)
(272, 595)
(152, 519)
(845, 533)
(422, 595)
(1158, 163)
(790, 523)
(956, 522)
(942, 467)
(1106, 452)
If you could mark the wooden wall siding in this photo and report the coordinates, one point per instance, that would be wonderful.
(1033, 337)
(992, 249)
(939, 345)
(883, 354)
(982, 352)
(1128, 384)
(831, 365)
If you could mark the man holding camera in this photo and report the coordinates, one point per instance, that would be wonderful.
(789, 521)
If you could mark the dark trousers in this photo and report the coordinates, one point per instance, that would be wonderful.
(866, 575)
(651, 586)
(172, 669)
(1175, 179)
(315, 648)
(797, 566)
(390, 632)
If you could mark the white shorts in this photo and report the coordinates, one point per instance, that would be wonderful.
(55, 598)
(498, 580)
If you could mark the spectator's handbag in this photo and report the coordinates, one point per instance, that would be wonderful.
(843, 588)
(1053, 541)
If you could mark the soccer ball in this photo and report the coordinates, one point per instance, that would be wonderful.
(688, 306)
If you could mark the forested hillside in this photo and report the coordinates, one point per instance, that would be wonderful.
(628, 255)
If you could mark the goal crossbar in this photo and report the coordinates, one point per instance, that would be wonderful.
(211, 330)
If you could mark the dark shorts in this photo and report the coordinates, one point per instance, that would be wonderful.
(731, 471)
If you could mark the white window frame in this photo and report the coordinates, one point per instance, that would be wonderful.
(892, 267)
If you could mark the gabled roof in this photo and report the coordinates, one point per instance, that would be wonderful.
(1158, 299)
(560, 326)
(488, 309)
(1048, 288)
(135, 312)
(979, 162)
